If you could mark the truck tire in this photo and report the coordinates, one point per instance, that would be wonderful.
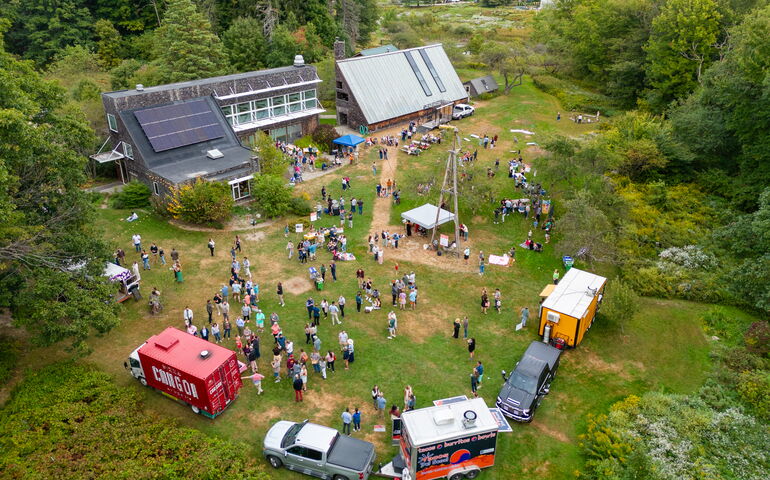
(143, 381)
(472, 474)
(275, 462)
(339, 477)
(195, 409)
(457, 476)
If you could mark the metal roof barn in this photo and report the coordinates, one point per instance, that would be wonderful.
(394, 84)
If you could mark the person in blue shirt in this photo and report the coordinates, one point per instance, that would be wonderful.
(225, 291)
(480, 373)
(359, 301)
(346, 419)
(357, 420)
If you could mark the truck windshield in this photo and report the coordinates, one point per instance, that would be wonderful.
(291, 435)
(527, 384)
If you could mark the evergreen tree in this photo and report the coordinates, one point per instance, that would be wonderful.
(187, 47)
(245, 45)
(283, 48)
(109, 44)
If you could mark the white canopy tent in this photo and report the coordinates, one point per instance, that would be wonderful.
(425, 216)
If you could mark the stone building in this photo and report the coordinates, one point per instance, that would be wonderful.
(171, 134)
(379, 90)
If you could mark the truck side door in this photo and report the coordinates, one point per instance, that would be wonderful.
(305, 460)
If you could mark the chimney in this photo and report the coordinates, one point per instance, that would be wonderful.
(299, 61)
(339, 49)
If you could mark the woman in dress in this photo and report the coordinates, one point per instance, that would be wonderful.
(471, 346)
(407, 394)
(330, 358)
(484, 301)
(178, 272)
(402, 300)
(456, 332)
(498, 301)
(303, 376)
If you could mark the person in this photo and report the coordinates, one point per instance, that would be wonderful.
(381, 403)
(407, 395)
(187, 313)
(456, 332)
(297, 384)
(323, 272)
(322, 366)
(357, 420)
(192, 330)
(257, 378)
(276, 364)
(347, 418)
(154, 251)
(330, 358)
(474, 383)
(204, 332)
(360, 207)
(335, 311)
(556, 277)
(137, 239)
(303, 376)
(238, 243)
(315, 357)
(227, 327)
(225, 310)
(333, 268)
(484, 301)
(465, 327)
(479, 372)
(413, 298)
(481, 263)
(466, 254)
(211, 246)
(498, 301)
(174, 255)
(359, 301)
(341, 304)
(317, 342)
(290, 248)
(471, 347)
(218, 302)
(395, 412)
(209, 309)
(145, 260)
(132, 217)
(524, 316)
(391, 325)
(279, 292)
(375, 392)
(216, 332)
(247, 267)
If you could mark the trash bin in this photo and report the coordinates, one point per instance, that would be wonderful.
(568, 261)
(319, 284)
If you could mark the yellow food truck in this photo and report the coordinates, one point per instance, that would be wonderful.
(570, 307)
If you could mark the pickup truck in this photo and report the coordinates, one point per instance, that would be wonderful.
(530, 381)
(318, 451)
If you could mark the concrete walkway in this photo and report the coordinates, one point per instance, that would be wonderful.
(108, 188)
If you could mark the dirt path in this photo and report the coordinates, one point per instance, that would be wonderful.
(410, 249)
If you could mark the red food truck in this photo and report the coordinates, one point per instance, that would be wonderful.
(188, 369)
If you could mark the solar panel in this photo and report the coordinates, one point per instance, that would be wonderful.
(173, 126)
(432, 70)
(417, 73)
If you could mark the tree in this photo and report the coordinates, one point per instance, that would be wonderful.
(42, 28)
(202, 203)
(509, 60)
(324, 135)
(283, 48)
(585, 231)
(271, 160)
(272, 196)
(620, 303)
(51, 256)
(188, 48)
(683, 43)
(109, 44)
(245, 45)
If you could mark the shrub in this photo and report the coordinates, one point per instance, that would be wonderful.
(717, 321)
(757, 338)
(324, 135)
(754, 390)
(305, 142)
(272, 196)
(620, 302)
(203, 203)
(72, 421)
(271, 160)
(300, 206)
(135, 194)
(572, 97)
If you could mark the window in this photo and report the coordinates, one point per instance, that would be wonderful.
(418, 73)
(339, 84)
(262, 109)
(305, 452)
(293, 132)
(342, 96)
(128, 150)
(155, 188)
(112, 122)
(241, 190)
(432, 70)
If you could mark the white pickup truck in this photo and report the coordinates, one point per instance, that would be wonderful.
(318, 451)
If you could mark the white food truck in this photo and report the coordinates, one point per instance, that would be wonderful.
(453, 441)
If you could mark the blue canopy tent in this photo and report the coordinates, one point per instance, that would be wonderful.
(349, 140)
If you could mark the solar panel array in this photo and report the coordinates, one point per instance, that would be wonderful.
(418, 73)
(432, 70)
(173, 126)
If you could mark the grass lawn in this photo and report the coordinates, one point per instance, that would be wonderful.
(663, 347)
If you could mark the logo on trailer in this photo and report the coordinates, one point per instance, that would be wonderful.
(459, 456)
(175, 382)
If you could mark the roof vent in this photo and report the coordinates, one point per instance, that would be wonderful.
(299, 61)
(139, 87)
(205, 354)
(469, 418)
(443, 417)
(214, 154)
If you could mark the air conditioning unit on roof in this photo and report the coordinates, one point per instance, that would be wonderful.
(214, 154)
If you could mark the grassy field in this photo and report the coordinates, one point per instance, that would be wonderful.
(661, 348)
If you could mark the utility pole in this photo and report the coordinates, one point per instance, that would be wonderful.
(450, 189)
